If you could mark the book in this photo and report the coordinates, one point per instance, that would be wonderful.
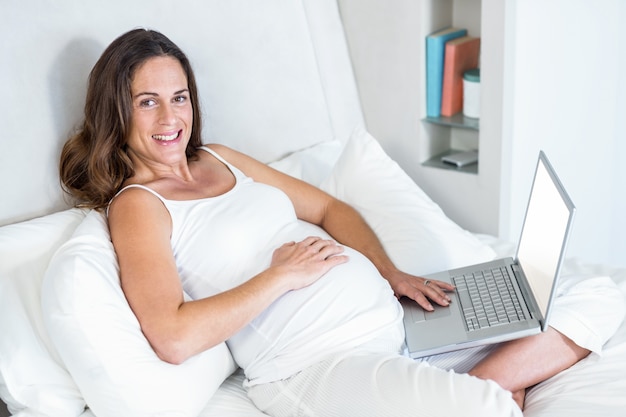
(461, 54)
(435, 50)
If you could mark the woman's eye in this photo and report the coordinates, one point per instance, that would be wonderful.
(147, 103)
(180, 99)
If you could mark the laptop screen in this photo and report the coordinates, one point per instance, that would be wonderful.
(545, 232)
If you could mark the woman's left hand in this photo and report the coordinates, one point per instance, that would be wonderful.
(422, 290)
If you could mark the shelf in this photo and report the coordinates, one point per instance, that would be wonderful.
(456, 120)
(435, 162)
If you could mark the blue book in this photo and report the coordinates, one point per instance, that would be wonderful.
(435, 52)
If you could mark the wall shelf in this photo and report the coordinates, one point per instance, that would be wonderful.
(390, 68)
(435, 162)
(476, 185)
(448, 135)
(456, 120)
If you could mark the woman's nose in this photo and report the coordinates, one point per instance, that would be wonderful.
(167, 115)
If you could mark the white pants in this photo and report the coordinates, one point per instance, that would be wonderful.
(378, 384)
(374, 384)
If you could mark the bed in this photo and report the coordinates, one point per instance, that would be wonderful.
(275, 81)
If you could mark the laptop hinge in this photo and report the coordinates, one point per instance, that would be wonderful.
(529, 301)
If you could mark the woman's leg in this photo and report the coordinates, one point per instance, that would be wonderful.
(522, 363)
(378, 384)
(579, 327)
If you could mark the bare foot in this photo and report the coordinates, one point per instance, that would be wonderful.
(519, 397)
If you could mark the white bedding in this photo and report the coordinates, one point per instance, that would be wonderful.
(276, 81)
(595, 383)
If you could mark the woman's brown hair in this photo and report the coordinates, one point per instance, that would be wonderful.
(94, 163)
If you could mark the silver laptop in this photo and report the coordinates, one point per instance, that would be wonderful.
(504, 299)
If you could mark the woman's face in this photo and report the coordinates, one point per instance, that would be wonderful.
(162, 113)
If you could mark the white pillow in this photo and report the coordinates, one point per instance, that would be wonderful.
(33, 380)
(414, 231)
(101, 343)
(312, 164)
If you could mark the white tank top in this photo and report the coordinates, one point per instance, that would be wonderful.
(221, 242)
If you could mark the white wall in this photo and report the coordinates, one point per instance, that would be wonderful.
(567, 97)
(48, 49)
(387, 47)
(564, 92)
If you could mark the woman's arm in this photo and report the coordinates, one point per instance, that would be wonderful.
(343, 223)
(140, 230)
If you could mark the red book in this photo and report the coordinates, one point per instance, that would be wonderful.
(461, 54)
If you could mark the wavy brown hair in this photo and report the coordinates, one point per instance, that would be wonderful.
(94, 162)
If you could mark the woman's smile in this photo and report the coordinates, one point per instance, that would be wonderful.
(162, 112)
(168, 138)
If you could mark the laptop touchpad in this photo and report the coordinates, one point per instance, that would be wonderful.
(438, 313)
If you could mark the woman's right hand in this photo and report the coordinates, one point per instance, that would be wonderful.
(307, 261)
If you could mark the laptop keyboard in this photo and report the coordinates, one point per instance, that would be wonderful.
(488, 298)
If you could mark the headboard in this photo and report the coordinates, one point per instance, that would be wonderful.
(244, 79)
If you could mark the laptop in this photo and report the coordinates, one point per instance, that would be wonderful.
(527, 282)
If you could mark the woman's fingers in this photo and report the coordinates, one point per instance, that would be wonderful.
(436, 291)
(326, 248)
(309, 259)
(422, 290)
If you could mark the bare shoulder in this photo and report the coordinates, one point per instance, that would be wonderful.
(231, 155)
(218, 147)
(138, 210)
(134, 197)
(247, 164)
(309, 201)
